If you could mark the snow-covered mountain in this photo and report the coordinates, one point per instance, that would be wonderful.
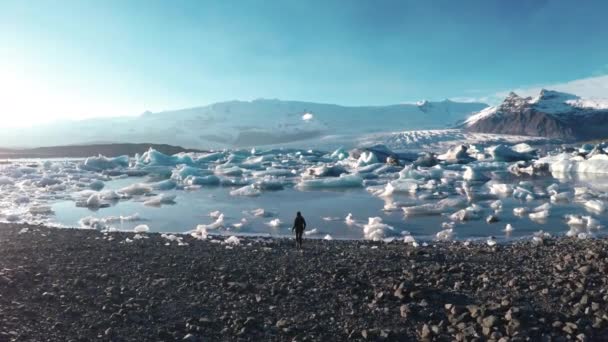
(551, 114)
(245, 123)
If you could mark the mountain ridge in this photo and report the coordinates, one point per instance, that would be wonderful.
(550, 114)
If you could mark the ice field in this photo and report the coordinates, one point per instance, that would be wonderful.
(476, 190)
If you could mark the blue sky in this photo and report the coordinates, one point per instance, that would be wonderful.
(73, 59)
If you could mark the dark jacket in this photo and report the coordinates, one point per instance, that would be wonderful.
(299, 223)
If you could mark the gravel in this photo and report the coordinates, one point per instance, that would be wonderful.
(76, 285)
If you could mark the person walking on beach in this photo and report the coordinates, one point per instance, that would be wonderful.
(299, 225)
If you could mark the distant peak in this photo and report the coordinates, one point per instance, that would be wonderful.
(512, 95)
(546, 94)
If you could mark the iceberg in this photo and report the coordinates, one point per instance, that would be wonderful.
(100, 163)
(142, 228)
(445, 235)
(159, 200)
(375, 230)
(507, 154)
(274, 223)
(137, 189)
(595, 206)
(247, 191)
(218, 223)
(153, 157)
(202, 180)
(344, 181)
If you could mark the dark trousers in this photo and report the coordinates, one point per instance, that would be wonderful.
(299, 232)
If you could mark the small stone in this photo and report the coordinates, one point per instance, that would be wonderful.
(473, 310)
(425, 332)
(404, 310)
(399, 293)
(489, 321)
(585, 269)
(282, 323)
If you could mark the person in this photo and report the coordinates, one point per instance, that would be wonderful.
(299, 224)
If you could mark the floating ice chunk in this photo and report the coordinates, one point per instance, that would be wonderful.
(539, 215)
(23, 230)
(592, 223)
(275, 223)
(202, 180)
(94, 201)
(100, 163)
(492, 219)
(501, 189)
(109, 195)
(595, 206)
(155, 158)
(260, 212)
(229, 170)
(407, 238)
(6, 181)
(543, 207)
(445, 235)
(524, 148)
(520, 211)
(159, 200)
(269, 184)
(311, 232)
(232, 240)
(491, 241)
(457, 155)
(496, 205)
(184, 171)
(47, 181)
(339, 154)
(472, 174)
(508, 228)
(218, 223)
(138, 237)
(137, 189)
(142, 228)
(307, 117)
(448, 225)
(273, 172)
(328, 237)
(344, 181)
(240, 224)
(539, 237)
(560, 197)
(248, 190)
(400, 186)
(367, 158)
(471, 212)
(349, 220)
(506, 154)
(164, 185)
(200, 232)
(325, 171)
(331, 218)
(127, 240)
(375, 230)
(215, 214)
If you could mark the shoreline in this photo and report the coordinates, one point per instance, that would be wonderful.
(62, 284)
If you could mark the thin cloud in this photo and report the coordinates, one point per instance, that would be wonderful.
(590, 87)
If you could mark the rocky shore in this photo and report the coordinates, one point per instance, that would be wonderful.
(82, 285)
